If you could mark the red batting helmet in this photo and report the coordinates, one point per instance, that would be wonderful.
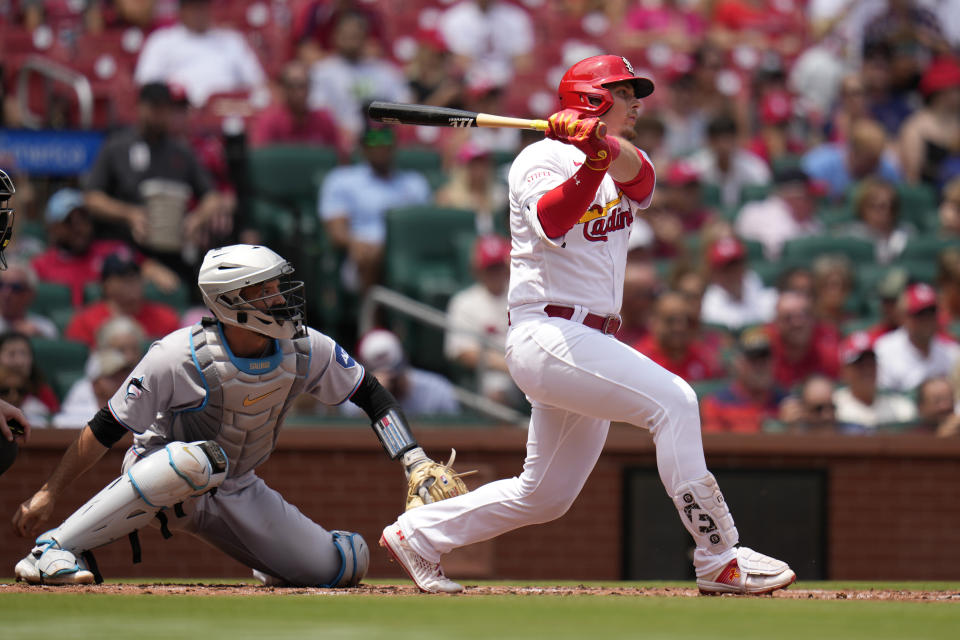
(583, 86)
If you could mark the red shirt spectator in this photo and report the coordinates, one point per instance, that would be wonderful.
(673, 341)
(291, 120)
(122, 295)
(800, 345)
(699, 362)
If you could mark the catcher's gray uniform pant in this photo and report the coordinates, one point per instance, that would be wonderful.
(253, 524)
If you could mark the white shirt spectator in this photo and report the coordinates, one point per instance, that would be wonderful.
(491, 39)
(428, 394)
(78, 407)
(343, 87)
(901, 366)
(215, 61)
(756, 306)
(44, 326)
(771, 223)
(746, 169)
(886, 408)
(476, 309)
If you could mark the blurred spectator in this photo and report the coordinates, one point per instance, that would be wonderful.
(691, 283)
(735, 297)
(799, 278)
(912, 30)
(75, 257)
(123, 334)
(419, 392)
(144, 178)
(432, 75)
(852, 105)
(105, 371)
(860, 402)
(889, 289)
(354, 201)
(685, 119)
(776, 142)
(914, 352)
(482, 307)
(673, 342)
(144, 14)
(931, 135)
(936, 408)
(641, 285)
(801, 345)
(663, 28)
(949, 212)
(839, 166)
(203, 59)
(787, 213)
(753, 397)
(877, 207)
(291, 120)
(122, 290)
(684, 212)
(344, 81)
(491, 39)
(18, 286)
(14, 388)
(474, 185)
(833, 283)
(728, 165)
(814, 411)
(315, 23)
(889, 105)
(640, 244)
(948, 287)
(650, 134)
(486, 98)
(16, 354)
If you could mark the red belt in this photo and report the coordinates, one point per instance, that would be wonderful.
(604, 324)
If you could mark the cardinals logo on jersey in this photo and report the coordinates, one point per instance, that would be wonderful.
(599, 221)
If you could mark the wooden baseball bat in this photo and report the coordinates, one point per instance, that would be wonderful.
(399, 113)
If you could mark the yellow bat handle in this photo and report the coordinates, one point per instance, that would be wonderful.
(489, 120)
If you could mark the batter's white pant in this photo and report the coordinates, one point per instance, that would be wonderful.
(578, 380)
(253, 524)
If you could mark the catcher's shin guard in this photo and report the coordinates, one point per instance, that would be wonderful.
(162, 479)
(705, 514)
(354, 558)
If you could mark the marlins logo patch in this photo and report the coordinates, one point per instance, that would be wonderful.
(135, 388)
(343, 358)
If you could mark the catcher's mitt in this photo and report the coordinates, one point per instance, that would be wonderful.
(432, 482)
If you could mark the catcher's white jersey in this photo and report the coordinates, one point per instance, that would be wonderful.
(586, 265)
(167, 381)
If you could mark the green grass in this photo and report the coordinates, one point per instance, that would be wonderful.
(341, 615)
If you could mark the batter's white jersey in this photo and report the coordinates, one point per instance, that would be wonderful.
(586, 265)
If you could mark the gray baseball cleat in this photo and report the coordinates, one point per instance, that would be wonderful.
(750, 573)
(427, 575)
(47, 564)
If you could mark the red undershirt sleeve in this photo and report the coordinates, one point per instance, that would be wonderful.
(563, 206)
(642, 185)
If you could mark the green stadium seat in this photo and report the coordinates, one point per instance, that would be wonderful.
(179, 298)
(752, 192)
(927, 247)
(50, 296)
(422, 244)
(918, 205)
(61, 361)
(836, 216)
(703, 388)
(289, 172)
(808, 248)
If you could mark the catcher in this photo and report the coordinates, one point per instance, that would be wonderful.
(205, 405)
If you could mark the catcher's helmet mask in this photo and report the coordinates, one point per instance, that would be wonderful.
(6, 215)
(226, 271)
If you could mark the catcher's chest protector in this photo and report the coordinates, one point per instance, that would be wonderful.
(247, 398)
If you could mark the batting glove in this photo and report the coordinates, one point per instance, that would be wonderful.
(587, 134)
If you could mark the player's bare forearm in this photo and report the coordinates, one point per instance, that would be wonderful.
(628, 162)
(109, 209)
(85, 451)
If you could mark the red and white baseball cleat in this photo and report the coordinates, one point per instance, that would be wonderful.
(427, 575)
(750, 573)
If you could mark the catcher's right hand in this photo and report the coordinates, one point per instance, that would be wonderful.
(431, 482)
(587, 134)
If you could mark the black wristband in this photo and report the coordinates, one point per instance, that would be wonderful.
(106, 429)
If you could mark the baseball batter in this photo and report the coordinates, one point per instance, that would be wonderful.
(573, 199)
(205, 405)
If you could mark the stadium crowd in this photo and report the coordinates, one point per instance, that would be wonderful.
(799, 264)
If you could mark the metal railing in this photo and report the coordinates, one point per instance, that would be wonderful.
(53, 72)
(382, 296)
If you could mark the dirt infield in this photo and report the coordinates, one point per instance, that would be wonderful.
(213, 589)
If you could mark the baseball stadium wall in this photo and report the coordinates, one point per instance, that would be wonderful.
(834, 507)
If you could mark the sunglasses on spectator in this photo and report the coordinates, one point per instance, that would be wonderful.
(15, 287)
(929, 312)
(6, 391)
(823, 407)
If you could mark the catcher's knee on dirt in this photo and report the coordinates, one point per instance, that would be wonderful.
(354, 558)
(162, 479)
